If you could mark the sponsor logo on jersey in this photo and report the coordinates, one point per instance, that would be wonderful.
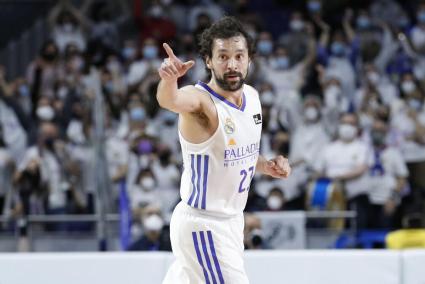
(241, 155)
(229, 126)
(257, 118)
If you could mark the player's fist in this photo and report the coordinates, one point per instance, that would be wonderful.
(172, 67)
(278, 167)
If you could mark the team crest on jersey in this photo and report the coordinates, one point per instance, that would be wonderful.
(229, 126)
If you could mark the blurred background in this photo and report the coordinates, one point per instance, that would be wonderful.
(88, 160)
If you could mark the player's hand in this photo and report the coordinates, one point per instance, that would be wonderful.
(278, 167)
(172, 67)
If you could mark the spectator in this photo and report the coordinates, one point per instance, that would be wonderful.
(155, 235)
(67, 25)
(253, 236)
(387, 178)
(346, 160)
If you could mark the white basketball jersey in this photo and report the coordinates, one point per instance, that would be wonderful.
(217, 173)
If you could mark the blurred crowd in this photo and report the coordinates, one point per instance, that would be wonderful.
(342, 91)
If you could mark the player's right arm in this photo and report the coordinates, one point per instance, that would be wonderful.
(168, 94)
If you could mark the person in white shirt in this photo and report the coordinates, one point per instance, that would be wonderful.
(346, 161)
(387, 177)
(310, 137)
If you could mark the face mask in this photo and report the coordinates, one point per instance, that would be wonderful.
(49, 56)
(137, 114)
(314, 6)
(338, 49)
(113, 67)
(147, 183)
(284, 149)
(281, 63)
(109, 87)
(408, 87)
(62, 92)
(373, 77)
(311, 113)
(169, 118)
(145, 147)
(45, 113)
(363, 22)
(378, 138)
(128, 53)
(68, 27)
(296, 25)
(24, 90)
(347, 132)
(49, 143)
(156, 11)
(153, 223)
(332, 91)
(77, 63)
(267, 97)
(414, 104)
(421, 17)
(274, 202)
(150, 52)
(265, 47)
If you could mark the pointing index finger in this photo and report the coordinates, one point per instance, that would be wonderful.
(168, 50)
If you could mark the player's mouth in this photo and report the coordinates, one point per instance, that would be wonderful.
(232, 77)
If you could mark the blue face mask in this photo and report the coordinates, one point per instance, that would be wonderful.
(24, 91)
(150, 52)
(128, 53)
(282, 62)
(338, 48)
(421, 17)
(314, 6)
(415, 104)
(265, 47)
(363, 22)
(137, 114)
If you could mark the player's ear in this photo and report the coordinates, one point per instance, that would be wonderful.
(208, 62)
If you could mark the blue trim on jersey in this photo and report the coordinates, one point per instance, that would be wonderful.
(214, 256)
(205, 183)
(223, 99)
(198, 254)
(207, 258)
(192, 157)
(198, 179)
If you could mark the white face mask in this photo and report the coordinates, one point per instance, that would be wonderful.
(373, 77)
(45, 112)
(267, 97)
(153, 223)
(274, 202)
(296, 25)
(347, 132)
(408, 87)
(311, 113)
(147, 183)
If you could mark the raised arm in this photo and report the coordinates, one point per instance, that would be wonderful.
(168, 95)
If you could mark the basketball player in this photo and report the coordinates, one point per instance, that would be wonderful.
(219, 130)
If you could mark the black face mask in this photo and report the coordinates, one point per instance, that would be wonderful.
(49, 56)
(284, 149)
(378, 138)
(49, 143)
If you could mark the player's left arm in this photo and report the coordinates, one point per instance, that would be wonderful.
(277, 167)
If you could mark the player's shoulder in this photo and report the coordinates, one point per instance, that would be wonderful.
(250, 90)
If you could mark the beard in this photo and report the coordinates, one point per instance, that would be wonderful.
(228, 85)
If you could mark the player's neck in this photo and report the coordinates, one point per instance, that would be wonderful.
(234, 97)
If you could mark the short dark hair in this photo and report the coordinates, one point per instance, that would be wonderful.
(225, 28)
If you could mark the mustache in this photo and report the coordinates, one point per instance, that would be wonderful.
(233, 74)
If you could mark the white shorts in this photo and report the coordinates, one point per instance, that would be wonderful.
(207, 249)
